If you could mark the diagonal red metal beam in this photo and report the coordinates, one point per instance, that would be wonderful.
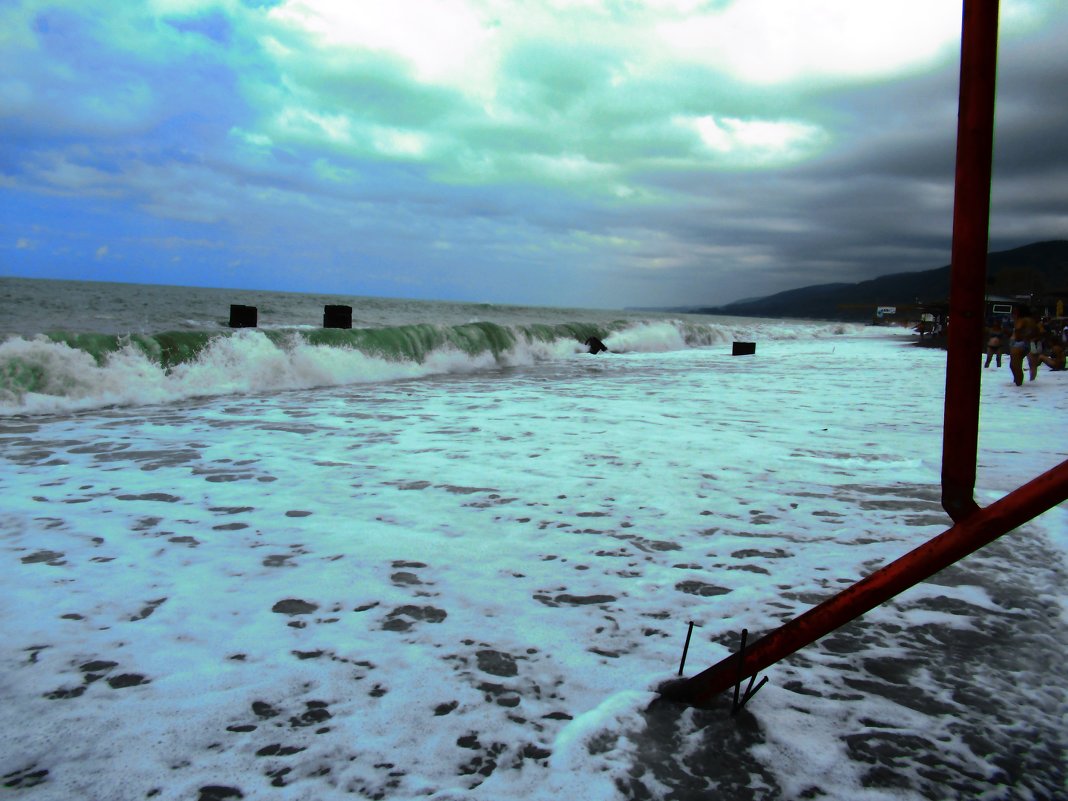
(971, 214)
(967, 536)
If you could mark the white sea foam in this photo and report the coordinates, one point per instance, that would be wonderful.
(648, 338)
(502, 566)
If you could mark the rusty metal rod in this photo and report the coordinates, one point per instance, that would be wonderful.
(971, 215)
(741, 676)
(686, 647)
(965, 537)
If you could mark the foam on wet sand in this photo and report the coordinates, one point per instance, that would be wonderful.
(469, 587)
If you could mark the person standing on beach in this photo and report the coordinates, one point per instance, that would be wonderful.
(993, 343)
(1024, 331)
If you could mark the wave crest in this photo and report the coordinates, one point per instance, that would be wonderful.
(63, 372)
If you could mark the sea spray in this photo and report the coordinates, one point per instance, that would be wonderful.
(65, 371)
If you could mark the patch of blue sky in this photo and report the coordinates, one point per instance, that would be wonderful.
(63, 236)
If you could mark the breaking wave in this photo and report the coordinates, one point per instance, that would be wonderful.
(61, 372)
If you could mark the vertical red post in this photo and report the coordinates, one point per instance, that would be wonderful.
(971, 214)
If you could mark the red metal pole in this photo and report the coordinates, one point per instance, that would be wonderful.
(973, 527)
(971, 213)
(979, 529)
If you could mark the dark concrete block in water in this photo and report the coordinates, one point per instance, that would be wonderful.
(337, 316)
(242, 316)
(743, 349)
(595, 345)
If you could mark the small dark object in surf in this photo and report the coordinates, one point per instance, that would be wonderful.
(595, 345)
(243, 316)
(335, 316)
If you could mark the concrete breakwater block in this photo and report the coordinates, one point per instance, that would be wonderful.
(337, 316)
(243, 316)
(743, 349)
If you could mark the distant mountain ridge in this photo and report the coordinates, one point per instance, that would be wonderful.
(1038, 268)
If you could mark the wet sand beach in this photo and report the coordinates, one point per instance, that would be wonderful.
(470, 586)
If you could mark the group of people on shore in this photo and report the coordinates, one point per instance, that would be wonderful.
(1026, 337)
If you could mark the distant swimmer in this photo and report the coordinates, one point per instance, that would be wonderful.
(595, 345)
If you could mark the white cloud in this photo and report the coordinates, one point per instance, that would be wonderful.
(101, 252)
(567, 168)
(302, 122)
(395, 142)
(778, 41)
(755, 142)
(441, 40)
(257, 140)
(165, 7)
(64, 174)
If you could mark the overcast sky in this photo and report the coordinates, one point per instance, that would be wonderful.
(601, 153)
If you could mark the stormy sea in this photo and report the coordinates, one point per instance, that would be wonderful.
(450, 554)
